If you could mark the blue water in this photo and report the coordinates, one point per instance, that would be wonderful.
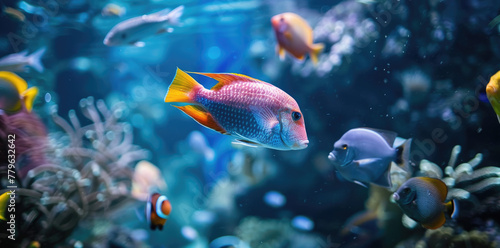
(415, 68)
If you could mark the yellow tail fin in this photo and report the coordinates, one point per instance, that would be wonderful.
(315, 51)
(182, 89)
(29, 97)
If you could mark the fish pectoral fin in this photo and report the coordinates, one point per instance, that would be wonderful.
(200, 115)
(137, 44)
(245, 143)
(366, 161)
(265, 118)
(436, 223)
(384, 180)
(360, 183)
(288, 35)
(281, 52)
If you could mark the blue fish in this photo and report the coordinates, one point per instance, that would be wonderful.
(364, 155)
(422, 199)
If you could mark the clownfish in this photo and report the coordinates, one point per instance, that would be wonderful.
(158, 209)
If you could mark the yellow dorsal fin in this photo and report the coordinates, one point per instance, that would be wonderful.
(29, 97)
(227, 78)
(436, 223)
(13, 78)
(200, 115)
(439, 185)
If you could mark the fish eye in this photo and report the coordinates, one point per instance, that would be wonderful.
(282, 19)
(296, 116)
(344, 146)
(124, 36)
(406, 190)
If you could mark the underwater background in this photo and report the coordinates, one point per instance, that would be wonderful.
(417, 68)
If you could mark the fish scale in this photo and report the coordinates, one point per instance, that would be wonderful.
(227, 105)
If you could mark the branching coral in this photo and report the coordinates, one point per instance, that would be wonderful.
(89, 176)
(465, 181)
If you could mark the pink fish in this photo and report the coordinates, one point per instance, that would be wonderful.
(256, 113)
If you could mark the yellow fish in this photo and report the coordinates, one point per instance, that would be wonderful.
(493, 93)
(4, 199)
(14, 93)
(295, 36)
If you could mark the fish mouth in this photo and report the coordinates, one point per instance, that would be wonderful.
(300, 145)
(331, 156)
(395, 196)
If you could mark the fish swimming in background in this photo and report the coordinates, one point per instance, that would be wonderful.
(493, 93)
(364, 155)
(14, 93)
(19, 62)
(112, 9)
(295, 36)
(255, 112)
(147, 177)
(14, 14)
(132, 31)
(4, 199)
(422, 199)
(158, 209)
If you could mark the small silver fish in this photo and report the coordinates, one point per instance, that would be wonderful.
(19, 62)
(132, 31)
(364, 155)
(422, 199)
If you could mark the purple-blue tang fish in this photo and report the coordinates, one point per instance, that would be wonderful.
(422, 199)
(364, 155)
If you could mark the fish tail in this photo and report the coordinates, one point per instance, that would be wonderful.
(174, 15)
(451, 208)
(29, 97)
(403, 156)
(4, 198)
(315, 51)
(183, 88)
(35, 59)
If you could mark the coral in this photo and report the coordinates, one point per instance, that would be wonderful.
(465, 181)
(344, 29)
(88, 176)
(448, 237)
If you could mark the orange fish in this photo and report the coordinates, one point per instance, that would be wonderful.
(295, 36)
(158, 209)
(493, 93)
